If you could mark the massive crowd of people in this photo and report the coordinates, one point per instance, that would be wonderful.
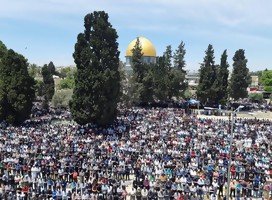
(148, 154)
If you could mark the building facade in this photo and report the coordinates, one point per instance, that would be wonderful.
(192, 78)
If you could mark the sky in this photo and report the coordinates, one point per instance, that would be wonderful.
(46, 30)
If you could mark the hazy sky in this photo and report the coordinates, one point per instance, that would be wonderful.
(46, 30)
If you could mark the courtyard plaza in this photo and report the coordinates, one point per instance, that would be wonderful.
(147, 154)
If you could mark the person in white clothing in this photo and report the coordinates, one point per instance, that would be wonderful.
(132, 193)
(144, 193)
(213, 197)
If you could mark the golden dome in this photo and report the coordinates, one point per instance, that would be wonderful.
(148, 49)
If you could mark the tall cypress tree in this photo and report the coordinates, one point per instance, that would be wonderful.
(148, 84)
(205, 90)
(160, 79)
(16, 88)
(48, 82)
(240, 78)
(97, 80)
(178, 81)
(142, 76)
(168, 57)
(221, 83)
(52, 68)
(138, 66)
(177, 86)
(179, 57)
(169, 78)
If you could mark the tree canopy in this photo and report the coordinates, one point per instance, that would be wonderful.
(158, 81)
(142, 87)
(48, 81)
(208, 71)
(240, 78)
(177, 77)
(16, 87)
(221, 82)
(266, 80)
(34, 70)
(179, 57)
(97, 80)
(68, 78)
(62, 98)
(3, 49)
(256, 97)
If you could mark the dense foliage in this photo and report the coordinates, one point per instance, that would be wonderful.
(34, 70)
(16, 87)
(178, 85)
(97, 80)
(66, 83)
(62, 98)
(3, 49)
(213, 83)
(206, 89)
(48, 81)
(141, 91)
(221, 82)
(256, 97)
(67, 76)
(179, 57)
(266, 80)
(158, 81)
(240, 78)
(39, 89)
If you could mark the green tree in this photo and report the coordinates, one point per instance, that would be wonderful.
(179, 84)
(141, 77)
(48, 81)
(3, 49)
(256, 97)
(168, 78)
(67, 83)
(168, 57)
(266, 80)
(52, 68)
(97, 80)
(179, 57)
(161, 75)
(205, 90)
(68, 78)
(67, 72)
(62, 98)
(268, 88)
(147, 92)
(221, 82)
(16, 88)
(187, 94)
(39, 88)
(126, 96)
(138, 66)
(240, 78)
(160, 79)
(33, 70)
